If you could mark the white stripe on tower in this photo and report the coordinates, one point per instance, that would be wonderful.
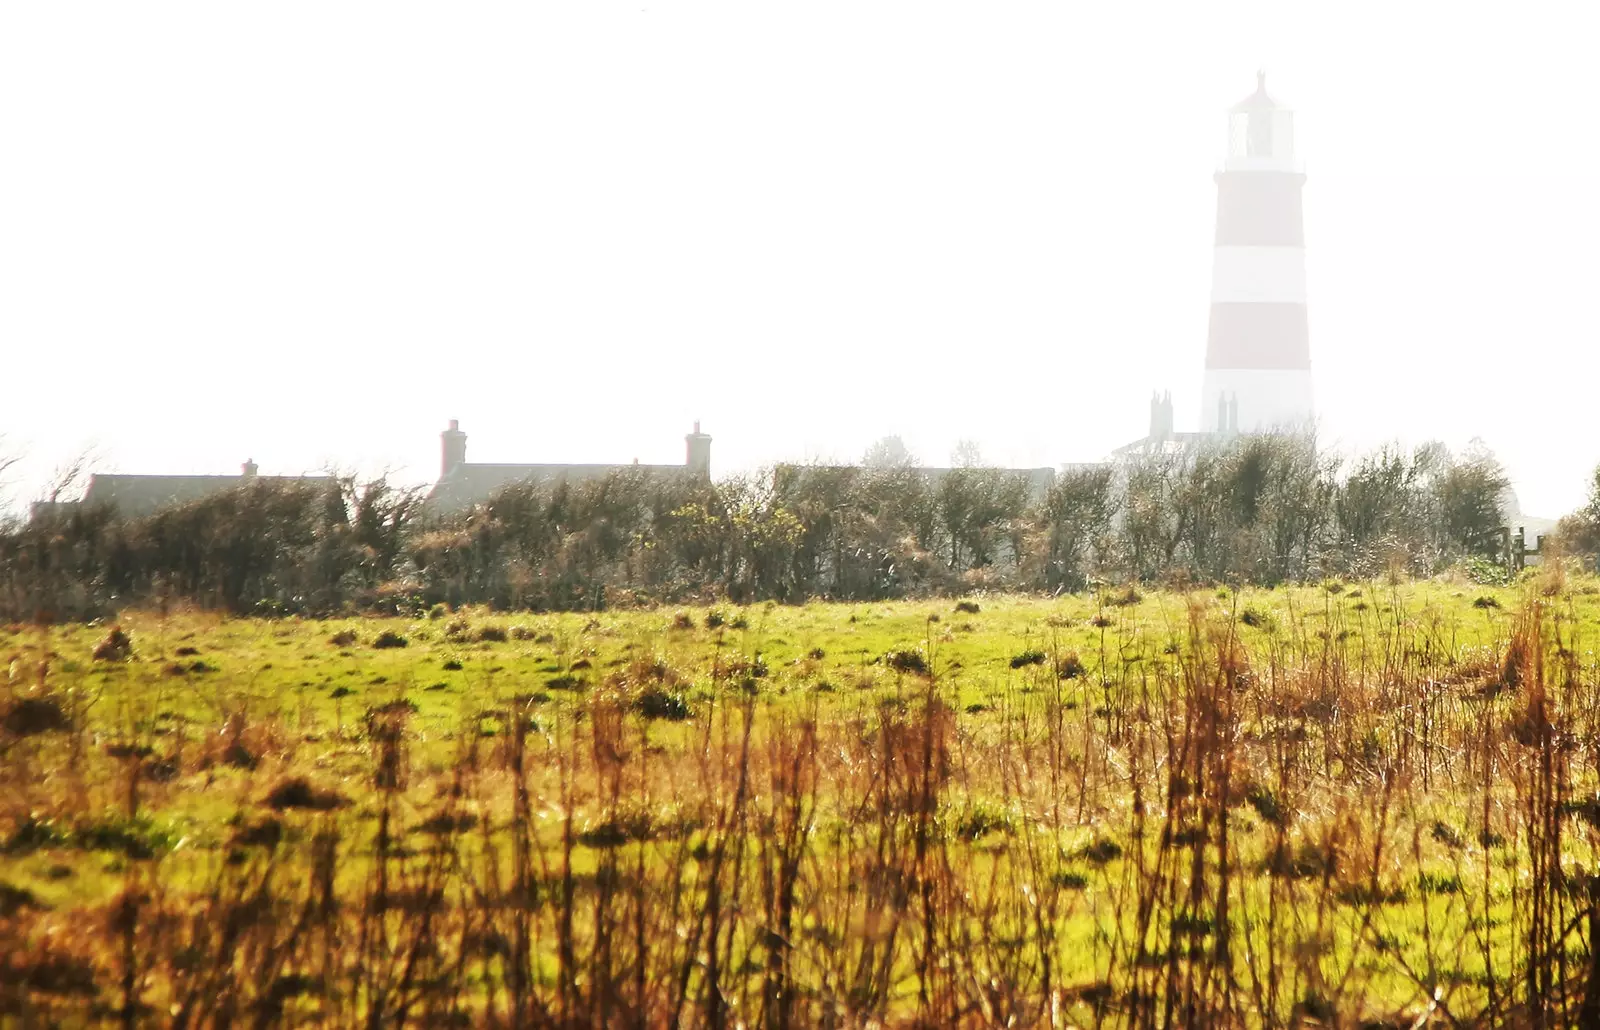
(1258, 353)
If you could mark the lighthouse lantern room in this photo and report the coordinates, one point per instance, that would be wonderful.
(1258, 352)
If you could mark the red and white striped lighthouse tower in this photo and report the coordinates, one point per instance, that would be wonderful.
(1258, 353)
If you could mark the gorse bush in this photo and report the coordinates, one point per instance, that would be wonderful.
(1259, 509)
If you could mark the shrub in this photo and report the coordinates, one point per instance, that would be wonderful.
(267, 833)
(1103, 850)
(1127, 598)
(715, 618)
(1448, 835)
(491, 635)
(15, 899)
(1438, 883)
(115, 646)
(297, 792)
(1026, 658)
(343, 638)
(658, 702)
(1266, 805)
(1308, 862)
(907, 661)
(968, 607)
(446, 823)
(1485, 572)
(1485, 601)
(389, 639)
(28, 716)
(615, 832)
(1072, 667)
(1255, 617)
(982, 821)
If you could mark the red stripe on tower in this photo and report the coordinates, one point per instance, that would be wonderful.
(1258, 352)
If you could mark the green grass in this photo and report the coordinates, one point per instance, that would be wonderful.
(1030, 796)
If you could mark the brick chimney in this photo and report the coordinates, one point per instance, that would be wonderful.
(453, 448)
(698, 458)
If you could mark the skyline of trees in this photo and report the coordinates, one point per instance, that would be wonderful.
(1256, 509)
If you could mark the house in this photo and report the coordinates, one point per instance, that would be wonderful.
(134, 496)
(463, 484)
(1164, 438)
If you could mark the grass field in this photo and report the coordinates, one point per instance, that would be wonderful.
(1352, 804)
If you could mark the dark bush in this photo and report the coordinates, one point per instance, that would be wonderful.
(1101, 851)
(115, 646)
(1026, 658)
(660, 703)
(297, 792)
(907, 661)
(28, 716)
(1266, 805)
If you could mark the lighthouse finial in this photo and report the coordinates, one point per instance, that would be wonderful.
(1261, 79)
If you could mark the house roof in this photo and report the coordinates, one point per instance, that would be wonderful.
(1171, 443)
(468, 484)
(133, 495)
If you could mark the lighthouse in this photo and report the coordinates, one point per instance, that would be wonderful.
(1258, 351)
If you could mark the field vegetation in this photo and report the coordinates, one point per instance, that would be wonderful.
(1361, 802)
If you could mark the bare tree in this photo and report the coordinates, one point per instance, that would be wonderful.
(10, 455)
(888, 453)
(967, 455)
(73, 474)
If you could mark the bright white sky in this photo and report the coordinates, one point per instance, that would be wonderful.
(313, 232)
